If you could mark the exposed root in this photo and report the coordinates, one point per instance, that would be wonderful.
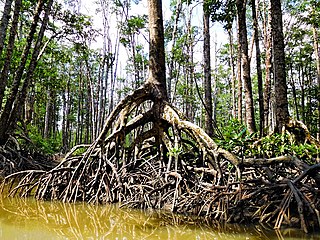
(300, 132)
(14, 159)
(149, 156)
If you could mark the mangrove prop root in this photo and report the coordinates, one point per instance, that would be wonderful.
(149, 156)
(13, 159)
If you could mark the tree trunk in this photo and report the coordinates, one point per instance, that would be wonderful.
(48, 115)
(302, 87)
(317, 54)
(6, 67)
(4, 23)
(294, 91)
(250, 119)
(268, 63)
(7, 112)
(282, 112)
(157, 67)
(65, 143)
(207, 72)
(239, 78)
(258, 65)
(172, 56)
(189, 69)
(91, 104)
(19, 102)
(233, 75)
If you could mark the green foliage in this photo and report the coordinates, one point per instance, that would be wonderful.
(79, 151)
(175, 151)
(236, 137)
(272, 146)
(283, 144)
(133, 26)
(308, 152)
(221, 11)
(238, 140)
(47, 146)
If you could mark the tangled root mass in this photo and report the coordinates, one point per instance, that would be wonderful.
(149, 156)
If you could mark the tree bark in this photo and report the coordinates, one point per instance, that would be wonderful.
(66, 122)
(48, 115)
(157, 67)
(207, 72)
(258, 65)
(4, 119)
(233, 75)
(268, 63)
(302, 90)
(19, 102)
(282, 112)
(294, 91)
(317, 54)
(190, 71)
(239, 78)
(250, 119)
(172, 55)
(6, 67)
(4, 23)
(13, 107)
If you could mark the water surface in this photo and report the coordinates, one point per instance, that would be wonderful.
(30, 219)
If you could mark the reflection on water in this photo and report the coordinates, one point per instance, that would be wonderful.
(31, 219)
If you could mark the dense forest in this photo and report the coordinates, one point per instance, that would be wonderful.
(61, 77)
(247, 72)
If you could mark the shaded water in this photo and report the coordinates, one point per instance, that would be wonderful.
(31, 219)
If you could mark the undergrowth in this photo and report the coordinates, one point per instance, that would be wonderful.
(238, 140)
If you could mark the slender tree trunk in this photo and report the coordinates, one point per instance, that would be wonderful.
(250, 119)
(207, 71)
(55, 117)
(6, 67)
(294, 91)
(268, 63)
(6, 114)
(91, 105)
(29, 108)
(19, 102)
(134, 62)
(100, 99)
(214, 84)
(302, 87)
(172, 56)
(65, 146)
(258, 65)
(80, 114)
(4, 23)
(48, 115)
(189, 68)
(282, 112)
(233, 74)
(310, 94)
(317, 54)
(239, 74)
(112, 90)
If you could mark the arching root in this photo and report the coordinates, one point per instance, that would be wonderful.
(149, 156)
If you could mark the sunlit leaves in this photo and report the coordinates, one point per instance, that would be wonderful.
(131, 27)
(221, 11)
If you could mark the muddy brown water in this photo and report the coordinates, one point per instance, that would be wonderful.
(31, 219)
